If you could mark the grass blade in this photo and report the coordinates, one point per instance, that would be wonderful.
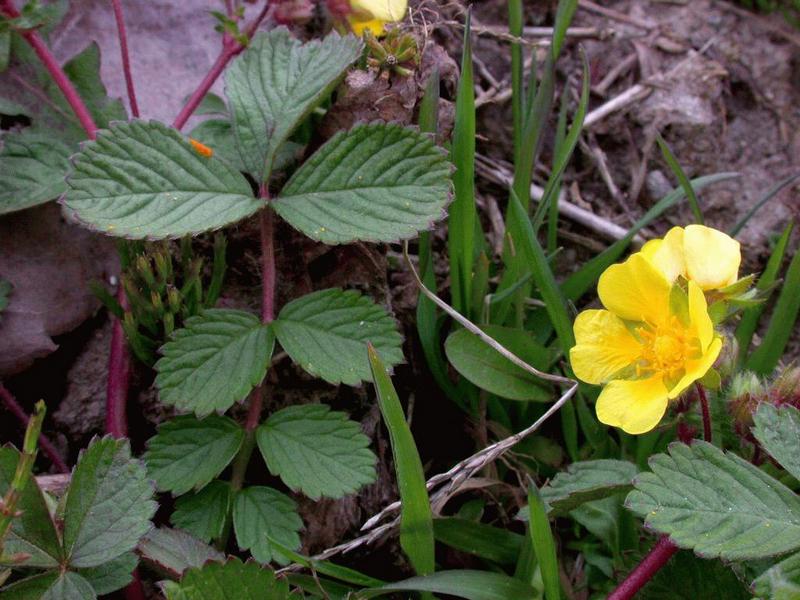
(544, 546)
(552, 210)
(472, 585)
(416, 520)
(564, 13)
(515, 19)
(463, 216)
(684, 181)
(750, 317)
(771, 193)
(345, 574)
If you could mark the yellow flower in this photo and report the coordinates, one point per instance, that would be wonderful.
(374, 14)
(653, 341)
(701, 254)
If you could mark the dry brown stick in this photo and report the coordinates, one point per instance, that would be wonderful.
(620, 68)
(614, 14)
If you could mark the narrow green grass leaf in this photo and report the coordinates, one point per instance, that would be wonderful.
(771, 193)
(416, 520)
(471, 585)
(751, 316)
(564, 13)
(544, 546)
(491, 543)
(778, 431)
(558, 149)
(144, 180)
(781, 323)
(261, 513)
(328, 568)
(462, 215)
(676, 169)
(515, 24)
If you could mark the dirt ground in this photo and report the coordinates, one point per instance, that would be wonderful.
(720, 84)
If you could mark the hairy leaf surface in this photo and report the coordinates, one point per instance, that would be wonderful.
(778, 431)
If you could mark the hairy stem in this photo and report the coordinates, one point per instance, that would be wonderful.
(44, 443)
(645, 570)
(701, 393)
(126, 61)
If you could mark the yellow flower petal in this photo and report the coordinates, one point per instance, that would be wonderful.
(376, 26)
(666, 254)
(635, 290)
(604, 346)
(712, 257)
(388, 11)
(634, 405)
(695, 369)
(699, 320)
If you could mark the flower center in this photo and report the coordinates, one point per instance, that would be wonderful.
(665, 348)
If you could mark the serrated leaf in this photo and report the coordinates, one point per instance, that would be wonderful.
(32, 170)
(176, 551)
(317, 451)
(586, 481)
(486, 368)
(32, 588)
(187, 453)
(260, 513)
(717, 504)
(108, 504)
(780, 582)
(687, 577)
(113, 575)
(203, 514)
(276, 83)
(33, 532)
(214, 361)
(233, 580)
(376, 182)
(144, 180)
(778, 432)
(326, 333)
(51, 586)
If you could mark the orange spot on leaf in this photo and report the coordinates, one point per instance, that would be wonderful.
(201, 149)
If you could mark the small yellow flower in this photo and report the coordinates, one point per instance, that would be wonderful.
(375, 14)
(701, 254)
(653, 341)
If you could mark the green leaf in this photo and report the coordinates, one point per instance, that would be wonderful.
(780, 582)
(416, 519)
(276, 83)
(326, 332)
(328, 568)
(543, 544)
(144, 180)
(51, 586)
(586, 481)
(217, 134)
(176, 551)
(317, 451)
(260, 513)
(472, 585)
(377, 182)
(187, 453)
(33, 532)
(214, 361)
(108, 504)
(687, 577)
(491, 543)
(717, 504)
(204, 513)
(778, 431)
(32, 170)
(113, 575)
(232, 580)
(486, 368)
(676, 169)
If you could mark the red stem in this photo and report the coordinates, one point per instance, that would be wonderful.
(645, 570)
(230, 48)
(701, 393)
(126, 60)
(119, 375)
(267, 266)
(45, 444)
(55, 70)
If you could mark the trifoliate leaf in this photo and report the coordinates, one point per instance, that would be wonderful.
(326, 334)
(233, 580)
(276, 83)
(377, 182)
(32, 170)
(33, 532)
(214, 361)
(51, 586)
(260, 513)
(113, 575)
(586, 481)
(781, 581)
(317, 451)
(486, 368)
(187, 453)
(203, 514)
(109, 504)
(144, 180)
(176, 551)
(717, 504)
(778, 432)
